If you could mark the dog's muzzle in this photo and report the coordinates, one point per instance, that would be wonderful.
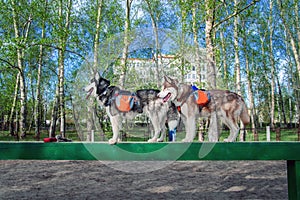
(167, 97)
(164, 95)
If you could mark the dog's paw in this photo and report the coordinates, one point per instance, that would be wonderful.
(187, 140)
(152, 140)
(112, 141)
(227, 140)
(160, 140)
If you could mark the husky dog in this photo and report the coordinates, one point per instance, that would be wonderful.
(223, 104)
(142, 101)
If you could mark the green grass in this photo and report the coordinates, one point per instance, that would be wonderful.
(137, 133)
(5, 136)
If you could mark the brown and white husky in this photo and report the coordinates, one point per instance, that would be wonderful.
(223, 104)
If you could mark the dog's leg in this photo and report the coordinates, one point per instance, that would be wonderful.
(158, 115)
(213, 129)
(172, 128)
(156, 125)
(115, 123)
(190, 126)
(234, 130)
(162, 134)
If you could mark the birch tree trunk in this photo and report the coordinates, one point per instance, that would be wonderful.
(97, 35)
(53, 120)
(197, 63)
(90, 107)
(211, 67)
(272, 61)
(12, 130)
(154, 21)
(249, 89)
(20, 56)
(126, 45)
(61, 76)
(183, 40)
(236, 51)
(293, 41)
(237, 62)
(264, 64)
(61, 65)
(291, 80)
(224, 58)
(281, 102)
(195, 37)
(37, 106)
(251, 101)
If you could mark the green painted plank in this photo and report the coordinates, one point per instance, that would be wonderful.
(293, 173)
(151, 151)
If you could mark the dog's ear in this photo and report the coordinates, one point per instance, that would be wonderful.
(104, 81)
(168, 79)
(97, 76)
(171, 80)
(175, 81)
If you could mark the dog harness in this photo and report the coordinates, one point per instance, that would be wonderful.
(201, 96)
(125, 101)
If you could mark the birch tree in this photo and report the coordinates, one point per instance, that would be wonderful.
(91, 107)
(211, 24)
(12, 130)
(290, 20)
(154, 15)
(37, 106)
(237, 60)
(64, 26)
(195, 28)
(22, 38)
(272, 62)
(210, 57)
(127, 28)
(292, 28)
(236, 50)
(249, 73)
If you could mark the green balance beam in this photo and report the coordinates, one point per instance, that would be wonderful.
(289, 151)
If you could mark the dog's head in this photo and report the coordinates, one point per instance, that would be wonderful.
(169, 89)
(97, 86)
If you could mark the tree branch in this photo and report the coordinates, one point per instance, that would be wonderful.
(235, 13)
(59, 48)
(10, 65)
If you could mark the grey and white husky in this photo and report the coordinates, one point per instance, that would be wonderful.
(223, 104)
(143, 101)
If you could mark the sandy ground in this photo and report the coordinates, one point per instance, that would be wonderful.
(177, 180)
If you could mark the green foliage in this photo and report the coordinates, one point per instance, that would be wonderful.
(175, 16)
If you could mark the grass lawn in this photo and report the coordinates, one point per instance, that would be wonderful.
(138, 133)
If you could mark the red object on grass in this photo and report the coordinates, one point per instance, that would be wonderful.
(50, 139)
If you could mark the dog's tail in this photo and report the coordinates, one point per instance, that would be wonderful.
(244, 116)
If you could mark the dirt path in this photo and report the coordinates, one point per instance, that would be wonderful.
(178, 180)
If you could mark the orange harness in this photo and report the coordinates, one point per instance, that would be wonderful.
(202, 98)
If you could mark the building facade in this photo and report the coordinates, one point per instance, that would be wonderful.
(145, 70)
